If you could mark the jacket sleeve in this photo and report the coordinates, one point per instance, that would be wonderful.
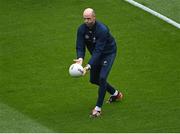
(99, 47)
(80, 45)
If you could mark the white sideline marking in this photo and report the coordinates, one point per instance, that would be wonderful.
(12, 121)
(166, 19)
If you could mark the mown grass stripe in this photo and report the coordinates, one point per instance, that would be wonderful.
(13, 121)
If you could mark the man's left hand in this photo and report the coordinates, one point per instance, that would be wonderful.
(84, 71)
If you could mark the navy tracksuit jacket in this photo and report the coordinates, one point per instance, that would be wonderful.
(102, 47)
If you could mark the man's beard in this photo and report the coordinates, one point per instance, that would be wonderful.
(90, 25)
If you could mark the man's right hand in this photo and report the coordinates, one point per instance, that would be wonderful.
(79, 61)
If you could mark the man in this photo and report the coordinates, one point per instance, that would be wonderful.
(96, 37)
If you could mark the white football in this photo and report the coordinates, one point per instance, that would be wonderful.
(76, 70)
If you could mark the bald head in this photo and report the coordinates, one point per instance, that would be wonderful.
(89, 11)
(89, 17)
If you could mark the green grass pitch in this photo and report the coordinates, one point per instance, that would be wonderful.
(37, 46)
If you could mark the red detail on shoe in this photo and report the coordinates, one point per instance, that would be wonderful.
(119, 96)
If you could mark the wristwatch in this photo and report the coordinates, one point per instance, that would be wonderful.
(88, 67)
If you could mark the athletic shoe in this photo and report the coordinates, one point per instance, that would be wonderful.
(118, 97)
(95, 113)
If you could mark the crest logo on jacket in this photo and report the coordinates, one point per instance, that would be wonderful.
(105, 63)
(86, 36)
(94, 39)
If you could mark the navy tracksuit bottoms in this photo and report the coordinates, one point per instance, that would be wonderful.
(99, 74)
